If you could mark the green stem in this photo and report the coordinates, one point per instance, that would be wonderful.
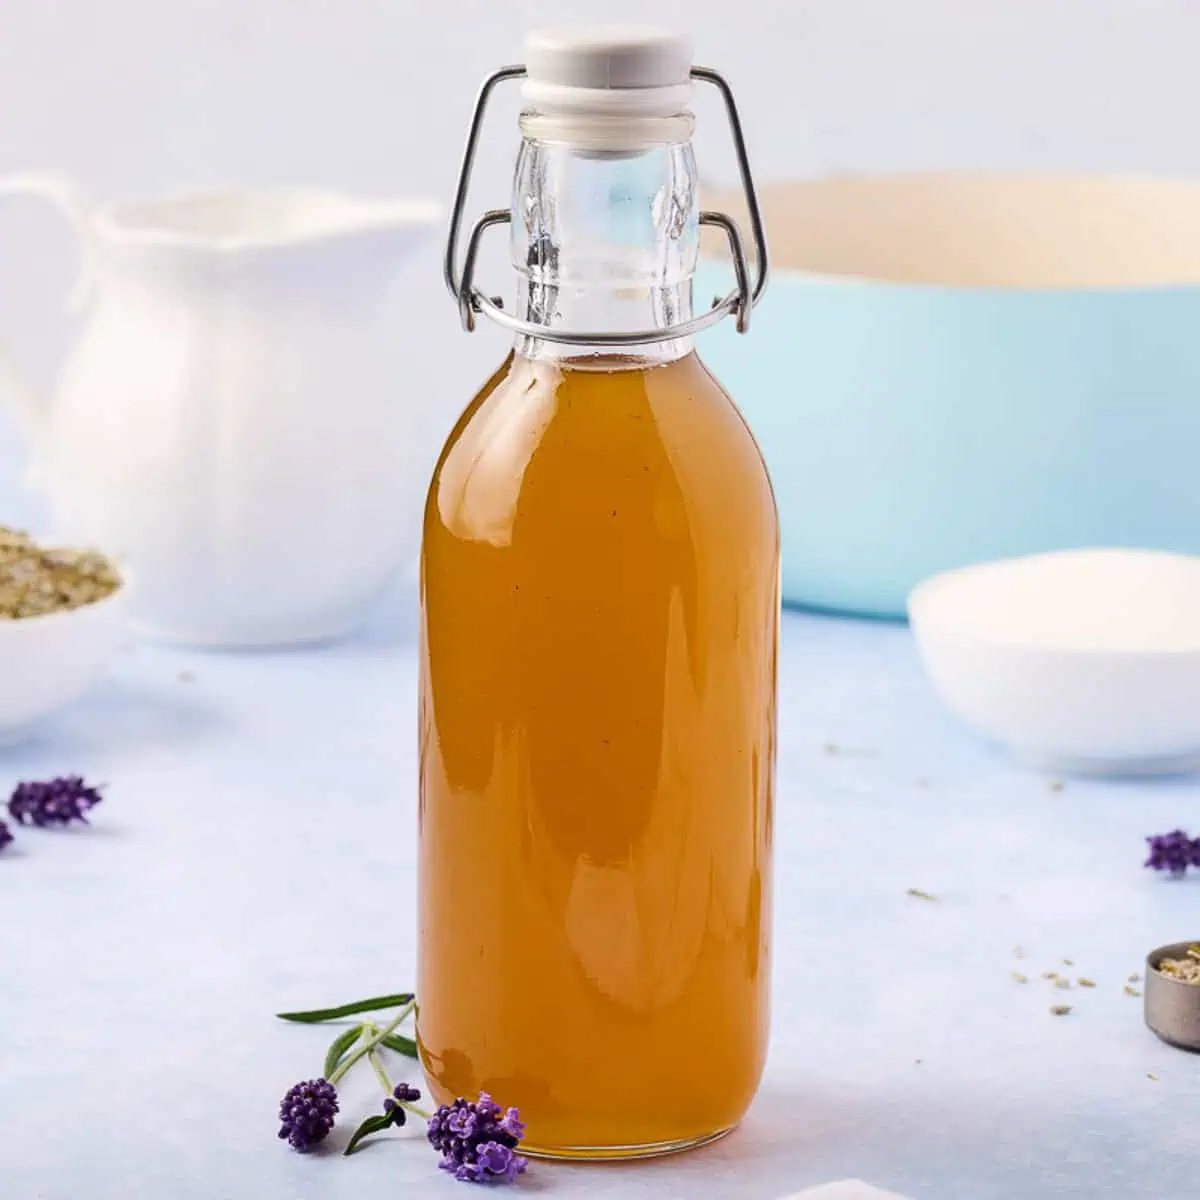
(376, 1061)
(369, 1043)
(380, 1073)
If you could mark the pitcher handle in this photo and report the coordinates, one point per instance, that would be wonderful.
(62, 196)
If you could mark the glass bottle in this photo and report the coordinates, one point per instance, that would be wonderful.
(600, 595)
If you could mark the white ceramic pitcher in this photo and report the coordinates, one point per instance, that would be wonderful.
(227, 424)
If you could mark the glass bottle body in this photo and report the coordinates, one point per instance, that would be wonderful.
(600, 588)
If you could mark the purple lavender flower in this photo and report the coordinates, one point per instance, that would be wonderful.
(1173, 852)
(496, 1161)
(54, 802)
(478, 1141)
(307, 1113)
(395, 1107)
(512, 1124)
(6, 836)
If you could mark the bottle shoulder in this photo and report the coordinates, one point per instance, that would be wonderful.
(540, 431)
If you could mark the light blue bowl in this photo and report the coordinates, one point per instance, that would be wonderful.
(1037, 392)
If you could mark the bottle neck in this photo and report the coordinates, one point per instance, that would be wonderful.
(605, 241)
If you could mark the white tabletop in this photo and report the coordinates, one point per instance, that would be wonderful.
(255, 852)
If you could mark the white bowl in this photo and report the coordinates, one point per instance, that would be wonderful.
(1085, 661)
(50, 661)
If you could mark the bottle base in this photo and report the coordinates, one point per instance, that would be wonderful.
(621, 1153)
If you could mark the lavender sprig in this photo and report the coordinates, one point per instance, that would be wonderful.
(478, 1142)
(53, 802)
(1173, 852)
(307, 1113)
(398, 1101)
(308, 1109)
(6, 836)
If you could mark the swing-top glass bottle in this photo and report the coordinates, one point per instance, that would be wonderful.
(600, 594)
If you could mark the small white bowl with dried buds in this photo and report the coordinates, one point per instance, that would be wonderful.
(61, 616)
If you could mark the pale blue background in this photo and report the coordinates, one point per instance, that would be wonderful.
(256, 852)
(256, 848)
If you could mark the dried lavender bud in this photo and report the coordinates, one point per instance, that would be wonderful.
(307, 1113)
(1173, 852)
(478, 1141)
(54, 802)
(6, 837)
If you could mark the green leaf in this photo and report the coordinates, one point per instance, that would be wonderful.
(339, 1046)
(371, 1125)
(315, 1015)
(401, 1044)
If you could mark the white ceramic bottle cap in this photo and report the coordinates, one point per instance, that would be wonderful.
(623, 72)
